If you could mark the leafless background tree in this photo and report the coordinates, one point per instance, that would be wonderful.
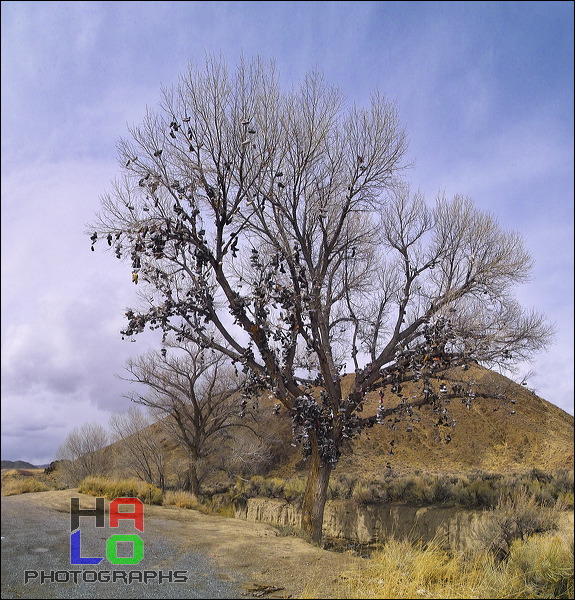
(141, 450)
(81, 453)
(281, 222)
(195, 393)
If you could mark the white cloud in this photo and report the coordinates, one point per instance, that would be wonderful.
(35, 425)
(62, 306)
(75, 74)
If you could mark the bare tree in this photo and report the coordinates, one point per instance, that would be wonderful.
(252, 454)
(81, 452)
(195, 389)
(286, 212)
(142, 450)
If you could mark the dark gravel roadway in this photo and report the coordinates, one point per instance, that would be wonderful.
(37, 538)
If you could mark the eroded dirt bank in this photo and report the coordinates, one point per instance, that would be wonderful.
(452, 526)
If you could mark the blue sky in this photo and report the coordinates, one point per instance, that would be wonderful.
(484, 89)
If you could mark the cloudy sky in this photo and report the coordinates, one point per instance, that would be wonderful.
(485, 90)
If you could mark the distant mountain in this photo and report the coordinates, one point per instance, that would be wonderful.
(18, 464)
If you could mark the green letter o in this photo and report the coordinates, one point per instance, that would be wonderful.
(112, 549)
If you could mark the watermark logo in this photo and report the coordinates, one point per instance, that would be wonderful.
(99, 513)
(106, 576)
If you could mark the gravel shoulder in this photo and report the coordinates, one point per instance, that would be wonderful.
(222, 557)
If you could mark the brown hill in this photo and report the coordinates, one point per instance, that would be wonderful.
(515, 434)
(518, 433)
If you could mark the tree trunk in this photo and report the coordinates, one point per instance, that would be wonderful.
(315, 495)
(194, 480)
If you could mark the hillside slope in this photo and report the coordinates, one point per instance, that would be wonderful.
(18, 464)
(520, 433)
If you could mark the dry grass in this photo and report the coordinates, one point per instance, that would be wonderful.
(22, 481)
(538, 567)
(121, 488)
(11, 487)
(544, 565)
(190, 501)
(182, 500)
(149, 494)
(520, 553)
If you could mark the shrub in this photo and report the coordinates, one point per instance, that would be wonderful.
(442, 490)
(545, 565)
(256, 486)
(405, 489)
(479, 490)
(480, 493)
(22, 481)
(13, 486)
(566, 500)
(181, 499)
(12, 473)
(218, 505)
(294, 490)
(267, 487)
(224, 510)
(339, 489)
(122, 488)
(564, 480)
(517, 516)
(416, 490)
(273, 487)
(363, 493)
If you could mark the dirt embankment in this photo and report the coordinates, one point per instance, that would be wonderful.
(452, 526)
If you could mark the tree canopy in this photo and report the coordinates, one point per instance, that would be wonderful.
(277, 228)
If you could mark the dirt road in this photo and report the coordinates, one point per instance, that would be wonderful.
(219, 557)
